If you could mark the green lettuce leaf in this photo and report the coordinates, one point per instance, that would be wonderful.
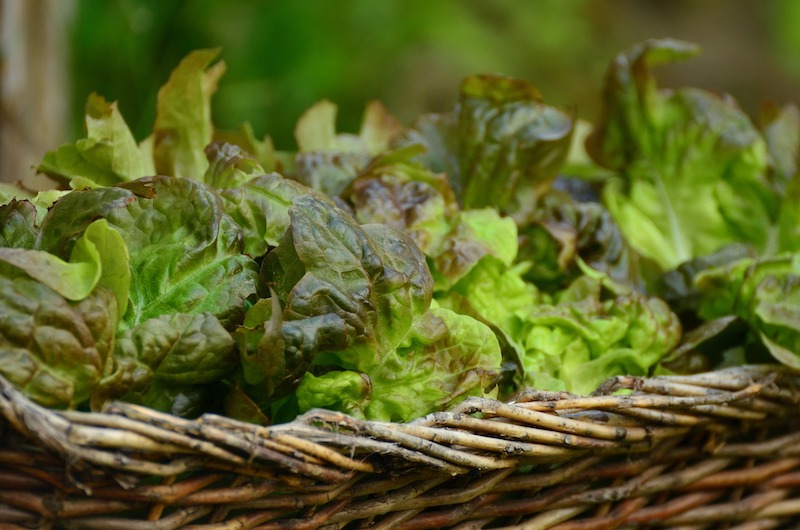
(99, 257)
(691, 167)
(473, 235)
(586, 337)
(780, 128)
(185, 251)
(341, 390)
(108, 155)
(261, 208)
(9, 192)
(158, 362)
(183, 117)
(764, 293)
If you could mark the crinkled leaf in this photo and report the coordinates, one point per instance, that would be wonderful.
(328, 161)
(261, 208)
(18, 224)
(229, 166)
(397, 191)
(52, 349)
(341, 390)
(108, 155)
(678, 286)
(765, 293)
(474, 234)
(183, 117)
(691, 166)
(357, 298)
(503, 146)
(177, 350)
(445, 358)
(581, 341)
(565, 230)
(373, 278)
(185, 250)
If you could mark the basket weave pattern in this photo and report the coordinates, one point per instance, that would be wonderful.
(716, 450)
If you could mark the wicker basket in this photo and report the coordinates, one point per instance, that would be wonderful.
(717, 450)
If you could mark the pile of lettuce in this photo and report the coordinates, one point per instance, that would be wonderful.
(387, 274)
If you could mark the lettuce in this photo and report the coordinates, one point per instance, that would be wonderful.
(764, 293)
(358, 299)
(501, 146)
(690, 166)
(60, 317)
(108, 155)
(589, 335)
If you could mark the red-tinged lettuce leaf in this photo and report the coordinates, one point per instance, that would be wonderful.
(229, 166)
(565, 231)
(691, 167)
(258, 203)
(186, 252)
(328, 161)
(262, 150)
(160, 361)
(18, 224)
(52, 349)
(764, 293)
(502, 146)
(780, 128)
(358, 298)
(109, 154)
(183, 117)
(400, 192)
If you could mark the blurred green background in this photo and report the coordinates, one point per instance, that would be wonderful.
(282, 55)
